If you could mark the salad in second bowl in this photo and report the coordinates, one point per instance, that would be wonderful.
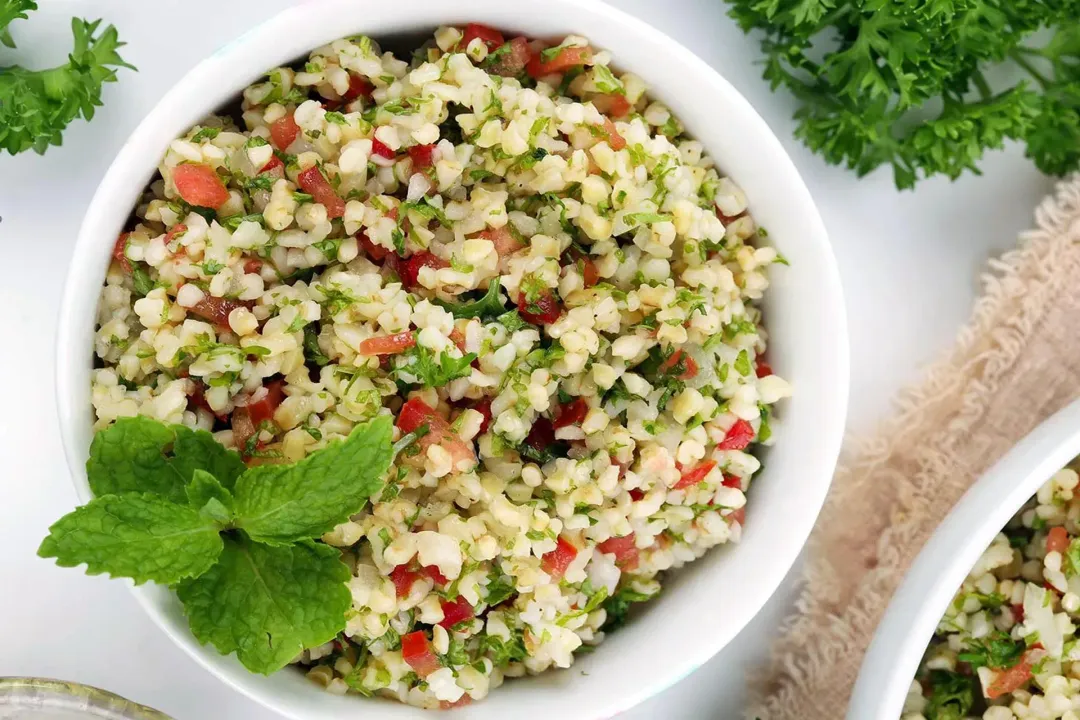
(501, 245)
(1007, 646)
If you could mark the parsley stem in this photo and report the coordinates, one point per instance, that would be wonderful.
(408, 439)
(981, 85)
(1026, 65)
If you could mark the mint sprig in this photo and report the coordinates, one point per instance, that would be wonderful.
(175, 507)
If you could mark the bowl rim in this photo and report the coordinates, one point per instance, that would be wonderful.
(72, 398)
(930, 584)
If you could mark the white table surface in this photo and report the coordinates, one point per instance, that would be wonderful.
(909, 263)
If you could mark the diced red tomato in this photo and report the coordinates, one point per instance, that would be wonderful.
(542, 434)
(1010, 679)
(680, 362)
(619, 105)
(314, 184)
(565, 59)
(614, 139)
(433, 572)
(174, 232)
(738, 436)
(284, 131)
(387, 344)
(373, 251)
(1057, 540)
(554, 563)
(504, 241)
(458, 338)
(417, 651)
(738, 517)
(403, 578)
(623, 548)
(572, 413)
(415, 413)
(216, 309)
(273, 167)
(763, 369)
(253, 266)
(378, 147)
(358, 87)
(410, 268)
(636, 494)
(546, 308)
(423, 156)
(464, 700)
(732, 481)
(589, 273)
(266, 401)
(484, 408)
(513, 61)
(199, 185)
(489, 36)
(456, 611)
(119, 252)
(1018, 612)
(243, 429)
(694, 475)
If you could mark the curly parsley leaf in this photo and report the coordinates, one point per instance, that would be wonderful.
(951, 695)
(426, 368)
(905, 85)
(279, 504)
(142, 455)
(11, 11)
(997, 650)
(36, 105)
(138, 536)
(618, 606)
(312, 351)
(268, 603)
(489, 306)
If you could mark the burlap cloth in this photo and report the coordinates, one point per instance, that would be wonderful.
(1014, 364)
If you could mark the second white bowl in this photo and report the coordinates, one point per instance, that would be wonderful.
(930, 585)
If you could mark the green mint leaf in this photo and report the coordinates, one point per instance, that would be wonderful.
(491, 305)
(285, 503)
(142, 455)
(267, 603)
(138, 536)
(209, 496)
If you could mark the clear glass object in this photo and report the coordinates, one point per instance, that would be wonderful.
(24, 698)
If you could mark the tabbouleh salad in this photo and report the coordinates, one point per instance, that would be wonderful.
(508, 248)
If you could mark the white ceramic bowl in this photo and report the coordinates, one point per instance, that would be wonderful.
(930, 585)
(702, 608)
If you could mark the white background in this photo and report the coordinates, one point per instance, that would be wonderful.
(909, 262)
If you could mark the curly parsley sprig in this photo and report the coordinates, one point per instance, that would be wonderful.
(888, 82)
(36, 105)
